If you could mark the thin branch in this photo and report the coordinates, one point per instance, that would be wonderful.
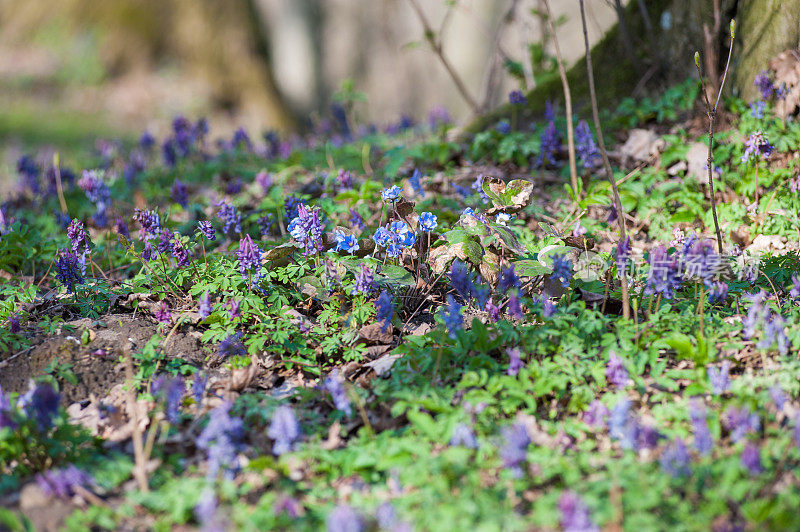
(626, 306)
(436, 46)
(573, 171)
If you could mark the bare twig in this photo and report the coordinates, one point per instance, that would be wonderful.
(573, 171)
(140, 467)
(626, 306)
(436, 46)
(711, 112)
(59, 186)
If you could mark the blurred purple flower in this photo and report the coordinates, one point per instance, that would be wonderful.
(334, 385)
(575, 515)
(63, 483)
(751, 459)
(283, 430)
(463, 436)
(616, 373)
(719, 378)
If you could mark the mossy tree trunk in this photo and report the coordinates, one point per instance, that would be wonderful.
(676, 28)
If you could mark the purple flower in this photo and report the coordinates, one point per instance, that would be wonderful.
(585, 147)
(356, 220)
(68, 270)
(517, 98)
(240, 138)
(288, 506)
(149, 222)
(612, 214)
(740, 421)
(703, 441)
(365, 280)
(718, 292)
(205, 309)
(334, 385)
(503, 127)
(233, 309)
(264, 180)
(306, 229)
(616, 373)
(757, 109)
(514, 451)
(5, 412)
(264, 224)
(596, 415)
(221, 439)
(550, 145)
(207, 230)
(719, 378)
(756, 147)
(778, 396)
(438, 117)
(514, 361)
(199, 386)
(623, 426)
(179, 193)
(774, 331)
(148, 253)
(180, 253)
(700, 260)
(346, 243)
(794, 293)
(165, 241)
(232, 346)
(664, 277)
(493, 310)
(249, 257)
(290, 207)
(755, 313)
(344, 179)
(206, 512)
(230, 217)
(77, 235)
(344, 519)
(171, 391)
(451, 315)
(508, 280)
(751, 459)
(91, 182)
(163, 314)
(13, 323)
(40, 403)
(463, 436)
(122, 228)
(764, 84)
(549, 111)
(513, 307)
(63, 483)
(549, 308)
(623, 253)
(29, 172)
(384, 309)
(284, 430)
(562, 270)
(575, 515)
(675, 459)
(461, 279)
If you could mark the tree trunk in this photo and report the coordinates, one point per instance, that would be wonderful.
(764, 28)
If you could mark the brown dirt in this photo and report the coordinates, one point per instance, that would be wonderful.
(96, 373)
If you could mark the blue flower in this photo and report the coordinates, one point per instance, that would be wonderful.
(461, 279)
(346, 243)
(428, 222)
(416, 183)
(391, 194)
(365, 280)
(585, 147)
(306, 228)
(232, 346)
(68, 270)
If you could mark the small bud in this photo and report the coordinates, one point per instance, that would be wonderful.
(697, 59)
(733, 28)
